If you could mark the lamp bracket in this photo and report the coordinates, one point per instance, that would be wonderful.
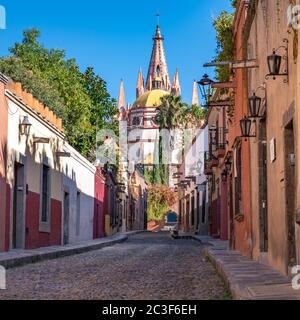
(285, 58)
(41, 140)
(262, 87)
(61, 154)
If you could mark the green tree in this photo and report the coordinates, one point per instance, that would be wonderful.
(223, 25)
(170, 115)
(160, 201)
(80, 99)
(171, 112)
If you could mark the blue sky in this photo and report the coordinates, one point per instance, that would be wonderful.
(115, 36)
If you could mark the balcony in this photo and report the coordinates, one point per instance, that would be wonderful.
(219, 143)
(209, 163)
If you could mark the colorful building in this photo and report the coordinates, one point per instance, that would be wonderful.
(4, 188)
(257, 175)
(78, 196)
(35, 138)
(192, 183)
(113, 216)
(274, 158)
(50, 194)
(99, 218)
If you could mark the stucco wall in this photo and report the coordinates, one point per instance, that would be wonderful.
(4, 190)
(272, 18)
(23, 150)
(99, 223)
(79, 178)
(241, 237)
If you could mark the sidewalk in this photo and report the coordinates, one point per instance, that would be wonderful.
(16, 258)
(248, 279)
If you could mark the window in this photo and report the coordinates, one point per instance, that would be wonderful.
(136, 121)
(78, 213)
(45, 194)
(158, 71)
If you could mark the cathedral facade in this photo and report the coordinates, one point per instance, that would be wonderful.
(143, 133)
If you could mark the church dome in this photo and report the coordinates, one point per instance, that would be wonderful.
(150, 99)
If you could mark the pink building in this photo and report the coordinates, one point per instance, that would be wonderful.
(99, 219)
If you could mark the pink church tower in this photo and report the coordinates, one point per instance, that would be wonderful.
(158, 74)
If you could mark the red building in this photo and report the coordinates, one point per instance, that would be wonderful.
(99, 218)
(112, 212)
(31, 206)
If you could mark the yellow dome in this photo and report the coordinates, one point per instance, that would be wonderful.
(150, 99)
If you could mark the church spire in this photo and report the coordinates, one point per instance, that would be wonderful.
(140, 84)
(158, 75)
(176, 89)
(195, 98)
(121, 101)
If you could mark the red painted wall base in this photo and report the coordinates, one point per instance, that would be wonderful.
(34, 238)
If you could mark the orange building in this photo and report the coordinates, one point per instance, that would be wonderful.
(229, 188)
(239, 180)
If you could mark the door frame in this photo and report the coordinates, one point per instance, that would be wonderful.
(290, 207)
(18, 159)
(66, 189)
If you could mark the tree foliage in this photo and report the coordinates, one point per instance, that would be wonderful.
(80, 99)
(172, 114)
(223, 25)
(160, 201)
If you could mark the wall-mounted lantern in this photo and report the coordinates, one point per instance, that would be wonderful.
(254, 105)
(257, 103)
(224, 175)
(275, 62)
(246, 124)
(213, 128)
(228, 165)
(205, 85)
(25, 126)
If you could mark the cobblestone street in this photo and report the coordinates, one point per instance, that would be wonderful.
(147, 266)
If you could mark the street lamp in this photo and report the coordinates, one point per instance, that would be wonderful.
(228, 165)
(213, 128)
(274, 63)
(245, 124)
(25, 126)
(224, 175)
(275, 60)
(205, 85)
(254, 105)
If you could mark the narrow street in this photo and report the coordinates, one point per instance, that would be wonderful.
(147, 266)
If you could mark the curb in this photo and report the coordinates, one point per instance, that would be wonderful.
(29, 258)
(222, 273)
(248, 279)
